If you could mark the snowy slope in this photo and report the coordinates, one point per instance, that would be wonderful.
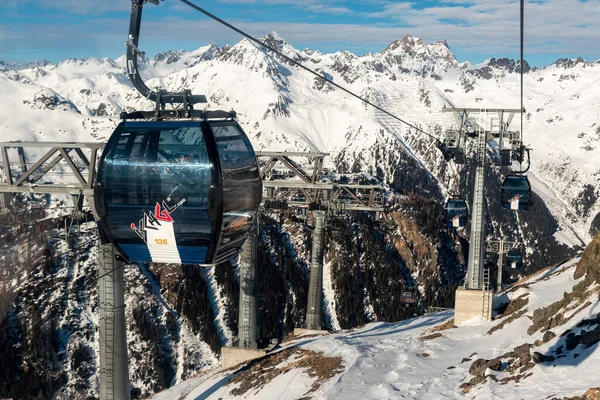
(412, 359)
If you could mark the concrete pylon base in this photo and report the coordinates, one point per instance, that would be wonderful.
(304, 331)
(232, 356)
(469, 304)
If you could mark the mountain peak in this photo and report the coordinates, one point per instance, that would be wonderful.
(509, 64)
(275, 36)
(442, 43)
(274, 40)
(569, 62)
(415, 47)
(407, 44)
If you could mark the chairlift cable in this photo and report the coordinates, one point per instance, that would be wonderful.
(291, 60)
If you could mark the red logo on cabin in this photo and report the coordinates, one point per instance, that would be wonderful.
(152, 220)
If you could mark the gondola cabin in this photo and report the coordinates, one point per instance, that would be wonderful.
(516, 193)
(454, 143)
(409, 297)
(457, 213)
(178, 191)
(514, 259)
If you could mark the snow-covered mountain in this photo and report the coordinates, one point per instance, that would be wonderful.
(284, 108)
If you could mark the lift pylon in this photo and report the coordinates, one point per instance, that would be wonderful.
(248, 309)
(501, 247)
(468, 302)
(315, 288)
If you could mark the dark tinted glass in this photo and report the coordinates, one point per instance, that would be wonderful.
(154, 164)
(240, 179)
(519, 183)
(457, 206)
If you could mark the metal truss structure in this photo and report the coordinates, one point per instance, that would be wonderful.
(301, 187)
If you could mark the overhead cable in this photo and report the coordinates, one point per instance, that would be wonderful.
(291, 60)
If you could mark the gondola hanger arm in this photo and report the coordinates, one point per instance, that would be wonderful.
(159, 96)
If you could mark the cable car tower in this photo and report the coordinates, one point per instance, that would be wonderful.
(455, 144)
(473, 122)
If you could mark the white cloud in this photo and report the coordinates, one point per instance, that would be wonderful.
(320, 6)
(83, 7)
(556, 26)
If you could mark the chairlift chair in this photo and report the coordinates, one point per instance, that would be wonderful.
(175, 185)
(409, 297)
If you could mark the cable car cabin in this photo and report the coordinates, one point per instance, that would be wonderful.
(178, 191)
(514, 259)
(454, 143)
(505, 157)
(457, 213)
(516, 193)
(409, 297)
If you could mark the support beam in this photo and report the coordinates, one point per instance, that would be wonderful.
(46, 189)
(73, 167)
(475, 110)
(287, 154)
(82, 156)
(22, 161)
(35, 166)
(500, 264)
(268, 167)
(114, 372)
(315, 288)
(6, 164)
(69, 145)
(77, 203)
(5, 199)
(38, 175)
(248, 309)
(501, 247)
(295, 168)
(92, 169)
(476, 248)
(25, 183)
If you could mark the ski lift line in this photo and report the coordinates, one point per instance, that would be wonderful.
(522, 86)
(253, 39)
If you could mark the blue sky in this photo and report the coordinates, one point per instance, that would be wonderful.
(32, 30)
